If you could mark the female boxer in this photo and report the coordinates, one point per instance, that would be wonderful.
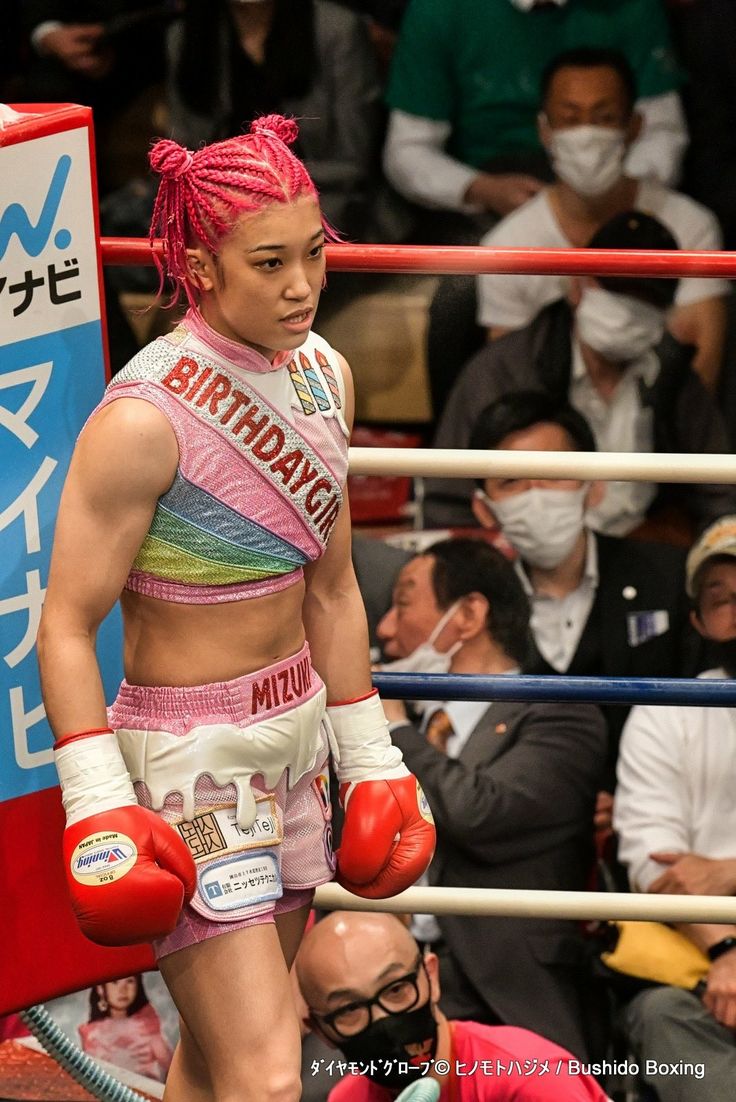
(207, 493)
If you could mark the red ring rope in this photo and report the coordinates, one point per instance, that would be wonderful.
(476, 259)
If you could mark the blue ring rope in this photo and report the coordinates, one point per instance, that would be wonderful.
(708, 692)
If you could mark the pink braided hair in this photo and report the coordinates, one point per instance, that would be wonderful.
(202, 193)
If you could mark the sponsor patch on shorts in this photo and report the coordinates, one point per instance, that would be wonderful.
(215, 832)
(239, 881)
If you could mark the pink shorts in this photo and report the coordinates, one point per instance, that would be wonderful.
(240, 769)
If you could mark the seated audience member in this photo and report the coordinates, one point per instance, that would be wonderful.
(462, 139)
(588, 121)
(463, 93)
(107, 54)
(231, 61)
(609, 357)
(601, 605)
(372, 993)
(512, 788)
(675, 815)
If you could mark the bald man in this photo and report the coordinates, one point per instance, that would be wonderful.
(371, 993)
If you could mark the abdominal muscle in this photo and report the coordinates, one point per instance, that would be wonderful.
(167, 643)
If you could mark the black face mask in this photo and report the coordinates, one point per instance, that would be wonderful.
(381, 1050)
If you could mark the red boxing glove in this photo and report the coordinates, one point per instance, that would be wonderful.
(128, 872)
(388, 835)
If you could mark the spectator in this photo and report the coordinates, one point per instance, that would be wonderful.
(125, 1030)
(230, 61)
(610, 357)
(512, 788)
(464, 95)
(107, 54)
(601, 605)
(462, 141)
(587, 123)
(676, 819)
(372, 993)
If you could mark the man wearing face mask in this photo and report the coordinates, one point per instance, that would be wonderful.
(463, 95)
(462, 142)
(676, 819)
(374, 995)
(587, 123)
(601, 606)
(608, 355)
(512, 788)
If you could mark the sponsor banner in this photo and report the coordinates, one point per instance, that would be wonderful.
(52, 374)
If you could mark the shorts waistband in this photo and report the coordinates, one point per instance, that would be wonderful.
(266, 692)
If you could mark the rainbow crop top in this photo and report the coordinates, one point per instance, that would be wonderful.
(262, 462)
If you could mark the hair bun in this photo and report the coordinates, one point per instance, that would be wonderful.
(169, 159)
(277, 126)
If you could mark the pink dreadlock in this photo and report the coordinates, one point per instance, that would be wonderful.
(202, 193)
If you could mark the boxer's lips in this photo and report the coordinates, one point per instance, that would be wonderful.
(299, 320)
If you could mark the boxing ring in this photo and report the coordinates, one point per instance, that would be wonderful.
(449, 260)
(426, 462)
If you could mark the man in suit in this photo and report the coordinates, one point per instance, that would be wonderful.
(601, 605)
(512, 788)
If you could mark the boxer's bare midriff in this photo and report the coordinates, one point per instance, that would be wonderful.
(168, 643)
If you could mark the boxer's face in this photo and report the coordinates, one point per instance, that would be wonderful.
(263, 286)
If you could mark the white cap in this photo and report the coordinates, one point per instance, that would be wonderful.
(718, 539)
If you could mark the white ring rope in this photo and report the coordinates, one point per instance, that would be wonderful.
(467, 463)
(524, 903)
(635, 467)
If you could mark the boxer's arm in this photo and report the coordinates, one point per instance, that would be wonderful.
(124, 460)
(388, 834)
(334, 617)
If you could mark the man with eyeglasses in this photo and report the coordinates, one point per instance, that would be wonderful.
(371, 993)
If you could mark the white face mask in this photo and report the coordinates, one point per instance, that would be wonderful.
(541, 525)
(589, 159)
(619, 327)
(426, 658)
(527, 5)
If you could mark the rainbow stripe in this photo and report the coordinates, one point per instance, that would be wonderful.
(194, 539)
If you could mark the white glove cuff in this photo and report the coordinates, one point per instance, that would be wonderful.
(361, 744)
(93, 777)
